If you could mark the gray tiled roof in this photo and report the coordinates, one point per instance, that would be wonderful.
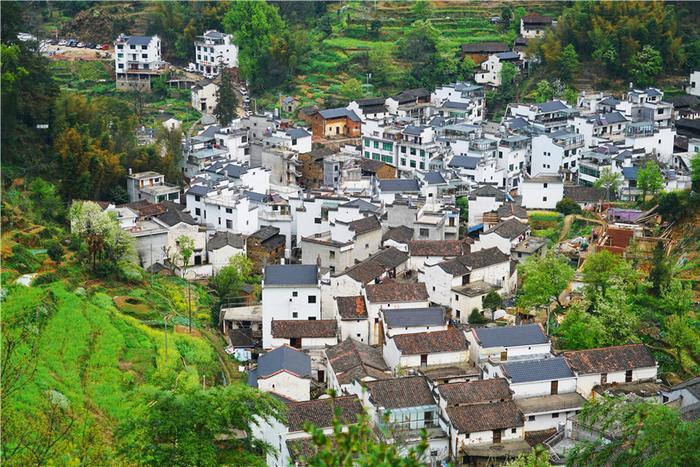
(338, 113)
(630, 173)
(510, 336)
(509, 229)
(297, 133)
(397, 393)
(414, 317)
(434, 178)
(222, 239)
(175, 216)
(291, 274)
(508, 55)
(552, 106)
(537, 370)
(466, 162)
(413, 130)
(399, 185)
(199, 190)
(281, 358)
(139, 40)
(361, 204)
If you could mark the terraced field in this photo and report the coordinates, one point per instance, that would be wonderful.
(343, 54)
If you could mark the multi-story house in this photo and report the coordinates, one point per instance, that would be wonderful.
(293, 139)
(150, 186)
(600, 128)
(417, 148)
(651, 139)
(547, 117)
(512, 152)
(556, 152)
(490, 72)
(136, 60)
(542, 192)
(289, 291)
(203, 96)
(460, 100)
(533, 26)
(380, 141)
(215, 51)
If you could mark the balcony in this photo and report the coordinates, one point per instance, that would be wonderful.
(568, 141)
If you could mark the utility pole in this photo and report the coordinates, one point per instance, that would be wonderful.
(189, 305)
(165, 320)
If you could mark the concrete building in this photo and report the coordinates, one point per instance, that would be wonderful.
(215, 51)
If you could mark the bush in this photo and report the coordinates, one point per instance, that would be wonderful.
(55, 251)
(568, 206)
(22, 259)
(476, 317)
(46, 278)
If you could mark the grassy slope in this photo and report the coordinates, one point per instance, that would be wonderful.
(95, 355)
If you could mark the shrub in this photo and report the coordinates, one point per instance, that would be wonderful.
(46, 278)
(568, 206)
(22, 259)
(55, 251)
(476, 317)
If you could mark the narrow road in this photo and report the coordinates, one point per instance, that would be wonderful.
(569, 220)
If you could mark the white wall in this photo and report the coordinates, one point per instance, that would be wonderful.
(585, 383)
(545, 421)
(541, 388)
(287, 385)
(279, 303)
(220, 258)
(357, 329)
(536, 196)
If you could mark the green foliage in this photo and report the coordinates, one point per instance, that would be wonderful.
(226, 283)
(357, 445)
(226, 101)
(422, 9)
(475, 317)
(182, 425)
(647, 434)
(492, 301)
(675, 206)
(568, 206)
(568, 62)
(609, 180)
(351, 89)
(536, 457)
(580, 330)
(650, 180)
(55, 251)
(646, 66)
(661, 270)
(602, 270)
(544, 279)
(23, 260)
(695, 171)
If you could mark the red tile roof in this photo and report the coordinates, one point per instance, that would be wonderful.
(392, 291)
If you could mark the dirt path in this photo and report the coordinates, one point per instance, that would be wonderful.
(569, 220)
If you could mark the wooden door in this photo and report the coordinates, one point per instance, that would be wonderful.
(555, 387)
(496, 436)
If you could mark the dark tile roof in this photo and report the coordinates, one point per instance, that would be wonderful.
(297, 133)
(485, 417)
(508, 55)
(485, 47)
(609, 359)
(465, 162)
(452, 340)
(376, 265)
(392, 291)
(510, 336)
(400, 234)
(537, 19)
(265, 233)
(399, 185)
(536, 370)
(510, 229)
(552, 106)
(398, 393)
(434, 178)
(225, 238)
(411, 95)
(352, 360)
(361, 205)
(297, 328)
(322, 412)
(489, 191)
(550, 403)
(352, 307)
(584, 194)
(437, 247)
(476, 260)
(146, 209)
(535, 438)
(365, 224)
(175, 216)
(512, 209)
(139, 40)
(291, 274)
(280, 359)
(475, 392)
(413, 317)
(339, 112)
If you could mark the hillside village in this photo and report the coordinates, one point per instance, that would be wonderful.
(391, 241)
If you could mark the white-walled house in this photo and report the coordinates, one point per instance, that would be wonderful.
(694, 84)
(556, 152)
(509, 342)
(305, 334)
(289, 291)
(223, 246)
(413, 320)
(203, 96)
(485, 199)
(542, 192)
(547, 412)
(215, 51)
(351, 313)
(490, 72)
(389, 295)
(283, 371)
(541, 377)
(505, 236)
(425, 349)
(289, 439)
(618, 364)
(352, 361)
(405, 406)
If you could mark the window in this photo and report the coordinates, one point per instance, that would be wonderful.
(544, 198)
(295, 314)
(229, 224)
(412, 164)
(332, 269)
(603, 378)
(424, 360)
(219, 220)
(422, 165)
(331, 254)
(375, 144)
(197, 197)
(531, 418)
(387, 146)
(456, 297)
(544, 185)
(366, 143)
(413, 151)
(312, 299)
(628, 376)
(197, 212)
(375, 156)
(144, 55)
(229, 210)
(317, 220)
(367, 154)
(403, 161)
(428, 419)
(403, 149)
(513, 430)
(555, 415)
(295, 294)
(424, 233)
(312, 318)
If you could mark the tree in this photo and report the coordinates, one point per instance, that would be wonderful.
(185, 250)
(677, 298)
(226, 283)
(506, 16)
(476, 317)
(650, 180)
(680, 335)
(492, 301)
(101, 232)
(351, 89)
(646, 433)
(568, 62)
(356, 444)
(543, 92)
(194, 426)
(422, 9)
(609, 180)
(602, 269)
(380, 63)
(646, 65)
(544, 279)
(580, 330)
(226, 101)
(463, 205)
(661, 270)
(568, 206)
(55, 251)
(695, 171)
(617, 314)
(507, 79)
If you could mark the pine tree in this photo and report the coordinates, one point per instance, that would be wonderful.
(226, 100)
